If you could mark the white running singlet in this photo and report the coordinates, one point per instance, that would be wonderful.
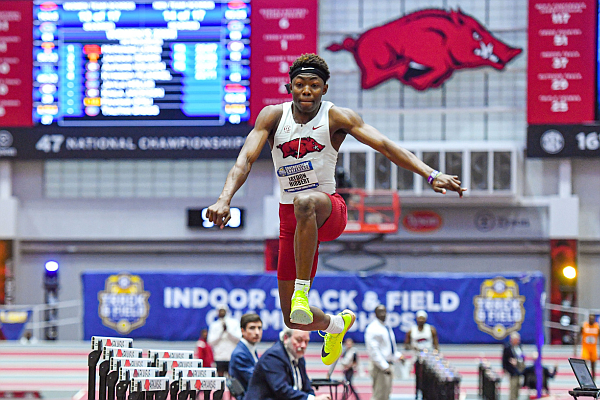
(303, 156)
(421, 339)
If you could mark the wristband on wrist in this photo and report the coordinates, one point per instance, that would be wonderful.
(434, 174)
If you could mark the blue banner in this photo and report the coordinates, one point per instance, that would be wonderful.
(176, 306)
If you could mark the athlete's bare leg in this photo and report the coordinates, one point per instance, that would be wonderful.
(311, 211)
(320, 319)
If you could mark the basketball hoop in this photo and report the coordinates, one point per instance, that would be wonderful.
(376, 211)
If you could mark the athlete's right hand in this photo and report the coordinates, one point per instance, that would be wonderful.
(219, 213)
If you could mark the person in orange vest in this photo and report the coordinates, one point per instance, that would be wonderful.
(589, 341)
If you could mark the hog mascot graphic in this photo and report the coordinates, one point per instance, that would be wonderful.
(307, 145)
(422, 49)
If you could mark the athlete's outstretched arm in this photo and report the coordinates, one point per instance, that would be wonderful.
(219, 213)
(350, 122)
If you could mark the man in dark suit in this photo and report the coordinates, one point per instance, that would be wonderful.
(280, 373)
(513, 362)
(244, 356)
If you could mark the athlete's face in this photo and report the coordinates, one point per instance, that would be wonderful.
(592, 319)
(307, 90)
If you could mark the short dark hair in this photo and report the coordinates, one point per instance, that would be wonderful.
(249, 317)
(311, 60)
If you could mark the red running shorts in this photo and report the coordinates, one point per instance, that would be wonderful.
(331, 229)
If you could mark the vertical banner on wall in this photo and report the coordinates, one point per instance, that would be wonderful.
(16, 63)
(281, 31)
(561, 62)
(473, 308)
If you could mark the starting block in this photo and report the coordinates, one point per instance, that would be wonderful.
(117, 365)
(167, 364)
(114, 379)
(98, 344)
(142, 387)
(124, 368)
(117, 362)
(127, 352)
(183, 354)
(189, 386)
(128, 373)
(193, 373)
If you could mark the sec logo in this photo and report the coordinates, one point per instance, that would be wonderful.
(552, 141)
(6, 139)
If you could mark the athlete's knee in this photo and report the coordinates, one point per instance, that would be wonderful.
(304, 206)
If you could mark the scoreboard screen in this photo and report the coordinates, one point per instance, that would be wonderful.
(144, 79)
(107, 64)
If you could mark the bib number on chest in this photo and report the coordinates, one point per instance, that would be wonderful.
(297, 177)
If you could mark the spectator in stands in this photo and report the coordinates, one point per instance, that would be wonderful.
(513, 362)
(203, 350)
(588, 335)
(223, 335)
(530, 379)
(280, 373)
(349, 362)
(422, 335)
(381, 347)
(245, 356)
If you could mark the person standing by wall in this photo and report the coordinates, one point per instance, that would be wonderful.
(223, 335)
(513, 362)
(381, 347)
(422, 335)
(588, 335)
(349, 362)
(203, 350)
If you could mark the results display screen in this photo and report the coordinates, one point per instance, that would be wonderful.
(107, 64)
(144, 79)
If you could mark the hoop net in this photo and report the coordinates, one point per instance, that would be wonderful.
(376, 211)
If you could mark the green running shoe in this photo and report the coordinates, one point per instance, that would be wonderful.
(332, 347)
(301, 313)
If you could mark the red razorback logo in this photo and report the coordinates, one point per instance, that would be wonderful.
(307, 145)
(424, 48)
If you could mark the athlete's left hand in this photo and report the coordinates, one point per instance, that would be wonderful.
(446, 182)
